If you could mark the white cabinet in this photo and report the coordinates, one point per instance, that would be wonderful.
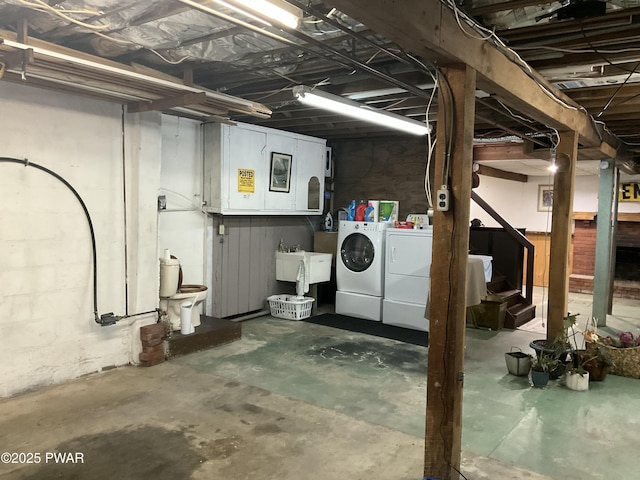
(239, 178)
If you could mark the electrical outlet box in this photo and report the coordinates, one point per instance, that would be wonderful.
(442, 200)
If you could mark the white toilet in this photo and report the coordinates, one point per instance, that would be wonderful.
(173, 293)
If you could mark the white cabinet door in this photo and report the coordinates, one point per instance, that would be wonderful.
(407, 267)
(243, 152)
(311, 155)
(238, 174)
(409, 254)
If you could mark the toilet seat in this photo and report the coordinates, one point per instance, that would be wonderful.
(192, 288)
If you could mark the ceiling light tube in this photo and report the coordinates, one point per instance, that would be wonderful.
(334, 103)
(110, 68)
(268, 9)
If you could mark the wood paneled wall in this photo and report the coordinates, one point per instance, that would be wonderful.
(244, 266)
(542, 243)
(381, 170)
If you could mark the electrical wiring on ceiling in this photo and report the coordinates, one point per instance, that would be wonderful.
(45, 7)
(600, 53)
(577, 50)
(510, 54)
(513, 114)
(438, 80)
(613, 95)
(42, 6)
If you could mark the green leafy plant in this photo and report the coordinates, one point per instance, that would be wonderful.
(544, 363)
(591, 353)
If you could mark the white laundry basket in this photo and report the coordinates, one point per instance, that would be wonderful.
(290, 307)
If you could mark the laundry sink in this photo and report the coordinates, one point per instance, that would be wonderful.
(319, 264)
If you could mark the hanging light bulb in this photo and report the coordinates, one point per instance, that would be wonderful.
(553, 168)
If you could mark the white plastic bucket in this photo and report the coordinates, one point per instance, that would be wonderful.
(186, 327)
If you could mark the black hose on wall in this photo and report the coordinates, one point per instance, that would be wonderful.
(27, 163)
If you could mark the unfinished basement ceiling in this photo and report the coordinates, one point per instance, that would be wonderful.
(589, 50)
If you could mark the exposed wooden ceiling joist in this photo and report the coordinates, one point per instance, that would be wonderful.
(428, 27)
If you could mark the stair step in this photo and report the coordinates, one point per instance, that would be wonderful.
(511, 297)
(508, 293)
(519, 314)
(497, 283)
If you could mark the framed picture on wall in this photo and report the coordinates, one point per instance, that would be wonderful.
(280, 178)
(545, 198)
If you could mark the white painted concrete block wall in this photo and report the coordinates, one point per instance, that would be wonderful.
(47, 330)
(517, 202)
(182, 227)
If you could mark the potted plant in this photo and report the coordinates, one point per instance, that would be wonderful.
(623, 351)
(558, 348)
(600, 361)
(589, 356)
(576, 376)
(541, 367)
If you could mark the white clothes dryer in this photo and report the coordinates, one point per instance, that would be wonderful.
(360, 269)
(407, 277)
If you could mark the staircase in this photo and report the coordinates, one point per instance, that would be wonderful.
(506, 246)
(519, 310)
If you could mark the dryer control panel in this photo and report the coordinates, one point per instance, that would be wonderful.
(366, 226)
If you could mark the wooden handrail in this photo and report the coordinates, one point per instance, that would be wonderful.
(517, 236)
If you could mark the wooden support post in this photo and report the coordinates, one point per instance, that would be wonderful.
(447, 312)
(187, 74)
(22, 31)
(563, 186)
(605, 243)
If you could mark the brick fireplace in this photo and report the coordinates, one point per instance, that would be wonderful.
(627, 270)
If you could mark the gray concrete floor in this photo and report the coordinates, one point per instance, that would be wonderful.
(295, 400)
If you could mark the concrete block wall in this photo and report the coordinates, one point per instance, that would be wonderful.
(47, 329)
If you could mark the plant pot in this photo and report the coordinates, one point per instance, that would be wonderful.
(597, 370)
(518, 363)
(539, 379)
(576, 381)
(540, 346)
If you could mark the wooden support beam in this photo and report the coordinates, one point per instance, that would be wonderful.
(447, 312)
(493, 152)
(621, 217)
(497, 173)
(168, 103)
(187, 74)
(22, 30)
(17, 58)
(563, 187)
(429, 29)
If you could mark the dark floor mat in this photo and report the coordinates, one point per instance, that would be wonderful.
(378, 329)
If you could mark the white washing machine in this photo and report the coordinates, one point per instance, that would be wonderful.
(360, 269)
(407, 277)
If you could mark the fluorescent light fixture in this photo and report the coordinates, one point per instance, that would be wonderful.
(270, 10)
(383, 92)
(343, 106)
